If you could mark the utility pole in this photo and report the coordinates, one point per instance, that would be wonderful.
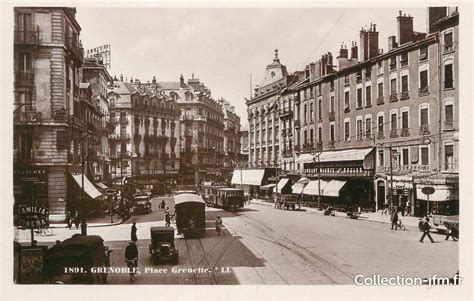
(84, 162)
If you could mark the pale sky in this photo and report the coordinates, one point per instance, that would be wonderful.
(223, 46)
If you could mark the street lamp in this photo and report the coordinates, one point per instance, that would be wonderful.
(317, 155)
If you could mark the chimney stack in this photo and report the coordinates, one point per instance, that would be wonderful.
(181, 81)
(354, 50)
(373, 41)
(154, 80)
(405, 28)
(329, 64)
(121, 77)
(343, 53)
(434, 14)
(324, 64)
(392, 42)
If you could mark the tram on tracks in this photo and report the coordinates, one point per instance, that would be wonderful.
(190, 210)
(224, 197)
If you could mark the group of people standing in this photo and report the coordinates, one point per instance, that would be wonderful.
(72, 216)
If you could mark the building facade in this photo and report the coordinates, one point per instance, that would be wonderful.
(49, 123)
(95, 73)
(381, 127)
(144, 141)
(232, 136)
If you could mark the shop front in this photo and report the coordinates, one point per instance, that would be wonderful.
(251, 180)
(345, 178)
(437, 195)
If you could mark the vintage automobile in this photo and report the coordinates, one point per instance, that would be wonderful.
(73, 261)
(141, 204)
(162, 248)
(190, 210)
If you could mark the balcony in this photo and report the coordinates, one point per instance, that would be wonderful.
(405, 132)
(173, 141)
(380, 100)
(403, 168)
(449, 167)
(359, 79)
(285, 112)
(137, 138)
(200, 118)
(393, 66)
(123, 120)
(380, 135)
(448, 126)
(297, 123)
(186, 118)
(424, 91)
(332, 144)
(27, 117)
(393, 97)
(319, 146)
(404, 95)
(27, 36)
(394, 133)
(188, 133)
(297, 148)
(24, 79)
(120, 136)
(404, 63)
(424, 130)
(74, 48)
(332, 116)
(448, 48)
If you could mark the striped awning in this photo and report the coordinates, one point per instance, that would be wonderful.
(281, 184)
(268, 187)
(89, 188)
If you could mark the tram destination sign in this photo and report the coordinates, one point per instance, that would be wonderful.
(32, 217)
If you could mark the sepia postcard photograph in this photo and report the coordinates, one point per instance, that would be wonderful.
(297, 150)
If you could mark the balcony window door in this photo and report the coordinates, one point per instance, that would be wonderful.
(359, 129)
(449, 117)
(347, 131)
(332, 104)
(359, 98)
(405, 83)
(393, 122)
(368, 128)
(405, 159)
(380, 90)
(449, 156)
(424, 80)
(368, 96)
(424, 117)
(380, 124)
(405, 120)
(393, 86)
(332, 128)
(448, 76)
(425, 158)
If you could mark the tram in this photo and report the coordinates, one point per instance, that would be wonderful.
(190, 210)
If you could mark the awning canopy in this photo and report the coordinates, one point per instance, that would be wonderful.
(442, 193)
(335, 156)
(282, 184)
(89, 188)
(102, 186)
(248, 177)
(268, 187)
(299, 185)
(313, 187)
(333, 188)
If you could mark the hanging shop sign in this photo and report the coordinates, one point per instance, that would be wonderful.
(32, 217)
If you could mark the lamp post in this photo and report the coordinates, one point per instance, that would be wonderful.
(317, 156)
(83, 163)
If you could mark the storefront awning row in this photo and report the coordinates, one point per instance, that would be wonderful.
(89, 188)
(313, 187)
(248, 177)
(442, 193)
(336, 156)
(333, 188)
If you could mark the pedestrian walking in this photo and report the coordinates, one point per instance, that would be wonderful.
(452, 232)
(76, 219)
(426, 230)
(69, 219)
(395, 219)
(167, 219)
(218, 224)
(134, 232)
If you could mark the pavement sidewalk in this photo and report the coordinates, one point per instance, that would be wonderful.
(93, 222)
(409, 221)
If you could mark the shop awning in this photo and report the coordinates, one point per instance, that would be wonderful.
(313, 187)
(442, 193)
(299, 186)
(333, 188)
(336, 156)
(248, 177)
(102, 186)
(281, 184)
(268, 187)
(89, 188)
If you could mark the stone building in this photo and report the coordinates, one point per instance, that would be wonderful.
(144, 143)
(95, 73)
(378, 129)
(50, 116)
(232, 136)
